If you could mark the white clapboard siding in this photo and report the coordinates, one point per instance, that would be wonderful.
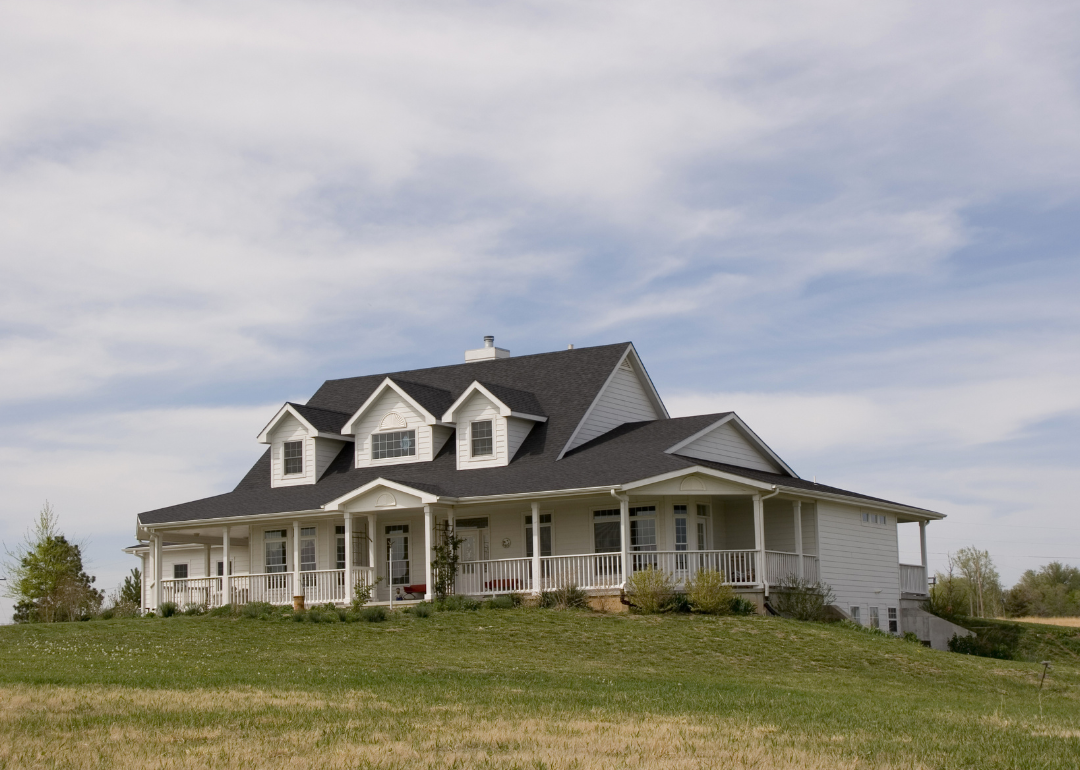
(738, 525)
(860, 561)
(326, 449)
(779, 526)
(725, 444)
(290, 429)
(623, 400)
(389, 402)
(517, 430)
(476, 408)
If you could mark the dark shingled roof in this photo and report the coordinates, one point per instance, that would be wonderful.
(435, 400)
(517, 400)
(324, 420)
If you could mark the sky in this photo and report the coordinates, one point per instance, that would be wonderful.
(856, 224)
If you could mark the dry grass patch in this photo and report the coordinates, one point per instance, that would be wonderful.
(1067, 622)
(114, 727)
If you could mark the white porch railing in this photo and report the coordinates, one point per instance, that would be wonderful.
(494, 576)
(274, 588)
(810, 568)
(912, 579)
(586, 571)
(322, 586)
(185, 591)
(780, 565)
(739, 567)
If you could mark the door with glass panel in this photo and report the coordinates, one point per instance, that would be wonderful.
(397, 555)
(274, 585)
(682, 543)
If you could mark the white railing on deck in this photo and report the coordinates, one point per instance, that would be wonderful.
(738, 567)
(184, 591)
(810, 568)
(494, 576)
(912, 579)
(364, 576)
(274, 588)
(322, 586)
(586, 571)
(780, 565)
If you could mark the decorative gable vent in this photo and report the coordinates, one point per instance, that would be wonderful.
(626, 365)
(391, 421)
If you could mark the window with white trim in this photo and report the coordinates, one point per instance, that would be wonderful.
(894, 621)
(483, 444)
(400, 443)
(545, 535)
(643, 528)
(876, 519)
(292, 452)
(875, 619)
(221, 568)
(179, 571)
(276, 548)
(307, 549)
(856, 614)
(606, 535)
(702, 526)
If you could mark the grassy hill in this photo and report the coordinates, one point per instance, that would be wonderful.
(518, 688)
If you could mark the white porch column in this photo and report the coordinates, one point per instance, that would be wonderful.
(206, 560)
(429, 572)
(348, 558)
(296, 559)
(922, 549)
(759, 536)
(226, 582)
(624, 536)
(155, 595)
(371, 545)
(796, 508)
(536, 547)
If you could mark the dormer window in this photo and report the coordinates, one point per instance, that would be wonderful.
(482, 439)
(293, 453)
(400, 443)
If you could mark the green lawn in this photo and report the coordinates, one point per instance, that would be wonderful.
(519, 688)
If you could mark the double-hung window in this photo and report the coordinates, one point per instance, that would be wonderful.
(856, 614)
(643, 528)
(400, 443)
(307, 549)
(875, 619)
(894, 621)
(275, 545)
(482, 439)
(682, 537)
(606, 537)
(293, 454)
(702, 526)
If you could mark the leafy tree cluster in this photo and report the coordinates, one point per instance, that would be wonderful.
(1050, 591)
(971, 587)
(46, 576)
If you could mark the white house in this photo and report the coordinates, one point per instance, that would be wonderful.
(555, 468)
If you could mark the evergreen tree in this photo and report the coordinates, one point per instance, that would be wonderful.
(131, 590)
(47, 578)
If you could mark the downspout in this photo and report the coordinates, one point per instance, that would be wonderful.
(764, 578)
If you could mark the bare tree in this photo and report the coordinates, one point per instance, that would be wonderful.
(984, 583)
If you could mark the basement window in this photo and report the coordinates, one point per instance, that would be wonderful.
(293, 454)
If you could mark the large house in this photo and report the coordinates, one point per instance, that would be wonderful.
(554, 469)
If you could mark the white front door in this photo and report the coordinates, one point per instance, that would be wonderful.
(470, 545)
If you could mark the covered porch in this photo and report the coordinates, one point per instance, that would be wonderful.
(594, 540)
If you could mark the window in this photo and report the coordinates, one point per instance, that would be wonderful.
(275, 545)
(307, 549)
(397, 554)
(482, 439)
(894, 621)
(643, 528)
(545, 535)
(339, 551)
(293, 452)
(221, 568)
(179, 571)
(681, 535)
(399, 444)
(875, 620)
(877, 519)
(856, 614)
(606, 537)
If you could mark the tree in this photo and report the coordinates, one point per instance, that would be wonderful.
(984, 583)
(131, 590)
(46, 576)
(1051, 591)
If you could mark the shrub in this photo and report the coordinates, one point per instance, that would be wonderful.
(708, 592)
(167, 609)
(374, 614)
(225, 609)
(499, 603)
(650, 590)
(192, 608)
(456, 603)
(565, 598)
(910, 636)
(259, 610)
(423, 610)
(362, 593)
(149, 614)
(299, 616)
(741, 606)
(799, 599)
(124, 609)
(106, 614)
